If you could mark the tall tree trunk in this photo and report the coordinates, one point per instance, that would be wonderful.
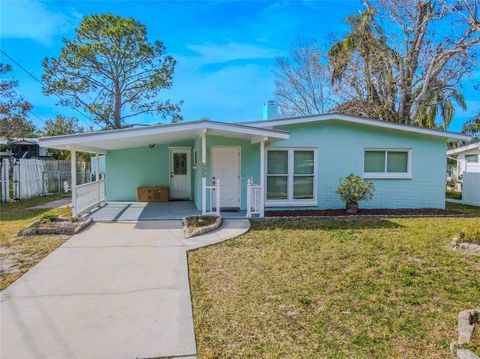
(117, 111)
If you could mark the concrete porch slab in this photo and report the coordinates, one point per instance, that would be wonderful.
(151, 211)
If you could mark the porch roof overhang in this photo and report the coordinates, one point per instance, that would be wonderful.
(103, 141)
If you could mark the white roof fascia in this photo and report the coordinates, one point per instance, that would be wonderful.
(469, 147)
(359, 120)
(86, 140)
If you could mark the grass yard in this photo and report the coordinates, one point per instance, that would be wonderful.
(19, 254)
(344, 288)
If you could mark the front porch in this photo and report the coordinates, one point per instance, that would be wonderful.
(148, 211)
(214, 165)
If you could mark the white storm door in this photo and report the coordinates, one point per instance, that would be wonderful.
(180, 178)
(226, 167)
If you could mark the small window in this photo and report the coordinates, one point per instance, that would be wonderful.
(471, 158)
(387, 163)
(195, 157)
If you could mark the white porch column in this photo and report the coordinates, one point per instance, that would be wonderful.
(262, 177)
(97, 175)
(204, 172)
(73, 172)
(97, 167)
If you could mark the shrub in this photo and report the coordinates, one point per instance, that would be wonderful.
(354, 189)
(48, 217)
(451, 193)
(471, 233)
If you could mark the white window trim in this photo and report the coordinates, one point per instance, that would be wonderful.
(389, 175)
(291, 202)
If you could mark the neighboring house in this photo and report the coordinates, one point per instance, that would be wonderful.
(22, 148)
(467, 159)
(296, 162)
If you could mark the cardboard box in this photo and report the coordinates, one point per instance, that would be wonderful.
(152, 194)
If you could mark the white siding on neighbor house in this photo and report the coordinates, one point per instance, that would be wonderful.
(471, 188)
(464, 166)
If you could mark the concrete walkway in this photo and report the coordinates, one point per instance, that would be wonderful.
(116, 290)
(58, 203)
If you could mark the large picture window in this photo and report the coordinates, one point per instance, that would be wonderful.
(387, 163)
(290, 176)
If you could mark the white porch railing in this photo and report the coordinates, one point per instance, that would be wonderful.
(89, 195)
(253, 198)
(213, 192)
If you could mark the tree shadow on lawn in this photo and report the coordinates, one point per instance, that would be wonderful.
(324, 224)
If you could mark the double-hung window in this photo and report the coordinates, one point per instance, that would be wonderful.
(387, 163)
(291, 175)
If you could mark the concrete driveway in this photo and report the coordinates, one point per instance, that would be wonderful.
(116, 290)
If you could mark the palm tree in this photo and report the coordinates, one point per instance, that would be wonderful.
(472, 126)
(440, 103)
(364, 50)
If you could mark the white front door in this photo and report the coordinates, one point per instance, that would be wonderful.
(226, 167)
(180, 178)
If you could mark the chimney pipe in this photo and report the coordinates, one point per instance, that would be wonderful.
(270, 110)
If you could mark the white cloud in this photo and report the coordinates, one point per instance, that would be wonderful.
(31, 19)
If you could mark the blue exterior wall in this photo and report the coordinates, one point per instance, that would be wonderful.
(130, 168)
(341, 151)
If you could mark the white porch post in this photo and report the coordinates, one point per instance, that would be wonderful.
(73, 172)
(97, 175)
(204, 172)
(262, 177)
(97, 167)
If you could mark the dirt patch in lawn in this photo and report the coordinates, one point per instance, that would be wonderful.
(365, 212)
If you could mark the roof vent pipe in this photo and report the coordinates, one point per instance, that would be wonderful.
(270, 110)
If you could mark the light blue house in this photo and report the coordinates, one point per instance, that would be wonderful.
(292, 163)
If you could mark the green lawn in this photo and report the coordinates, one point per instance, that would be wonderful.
(349, 288)
(19, 254)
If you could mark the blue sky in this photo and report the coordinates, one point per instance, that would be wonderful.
(225, 50)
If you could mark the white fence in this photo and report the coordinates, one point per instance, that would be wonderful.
(253, 198)
(89, 195)
(30, 178)
(5, 179)
(214, 196)
(471, 188)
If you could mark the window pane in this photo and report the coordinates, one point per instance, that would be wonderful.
(303, 187)
(374, 161)
(303, 162)
(179, 163)
(277, 162)
(471, 158)
(397, 162)
(277, 187)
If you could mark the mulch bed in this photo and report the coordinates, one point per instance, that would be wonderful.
(365, 212)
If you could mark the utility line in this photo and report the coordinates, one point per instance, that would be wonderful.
(40, 82)
(31, 110)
